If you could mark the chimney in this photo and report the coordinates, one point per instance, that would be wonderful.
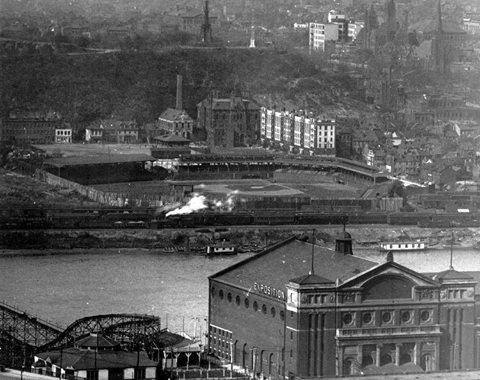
(179, 104)
(343, 243)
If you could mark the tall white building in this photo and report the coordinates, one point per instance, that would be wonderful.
(319, 34)
(299, 132)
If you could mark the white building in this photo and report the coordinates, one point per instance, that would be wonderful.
(325, 135)
(471, 26)
(319, 34)
(299, 132)
(354, 29)
(63, 135)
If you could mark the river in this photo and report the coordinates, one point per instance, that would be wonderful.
(64, 287)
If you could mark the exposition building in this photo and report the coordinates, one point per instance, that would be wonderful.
(299, 310)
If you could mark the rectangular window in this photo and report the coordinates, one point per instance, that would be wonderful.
(139, 373)
(92, 375)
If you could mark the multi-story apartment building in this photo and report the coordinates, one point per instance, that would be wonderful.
(229, 122)
(298, 132)
(320, 34)
(30, 130)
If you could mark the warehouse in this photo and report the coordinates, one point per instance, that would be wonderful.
(299, 310)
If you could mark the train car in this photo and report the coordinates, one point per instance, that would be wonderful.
(368, 218)
(320, 218)
(409, 218)
(273, 218)
(234, 218)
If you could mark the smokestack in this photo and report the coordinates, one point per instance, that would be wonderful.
(179, 104)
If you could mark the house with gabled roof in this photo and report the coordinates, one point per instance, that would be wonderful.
(95, 357)
(299, 310)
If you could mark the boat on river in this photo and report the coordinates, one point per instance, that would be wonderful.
(399, 246)
(221, 249)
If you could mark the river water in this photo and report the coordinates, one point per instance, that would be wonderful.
(64, 287)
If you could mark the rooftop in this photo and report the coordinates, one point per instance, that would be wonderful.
(172, 114)
(79, 359)
(97, 159)
(292, 259)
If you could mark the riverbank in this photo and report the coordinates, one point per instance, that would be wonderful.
(245, 239)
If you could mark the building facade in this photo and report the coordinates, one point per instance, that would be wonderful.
(112, 131)
(95, 357)
(30, 131)
(299, 310)
(299, 132)
(472, 25)
(229, 122)
(63, 135)
(175, 121)
(320, 34)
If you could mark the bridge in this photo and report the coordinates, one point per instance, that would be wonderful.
(22, 335)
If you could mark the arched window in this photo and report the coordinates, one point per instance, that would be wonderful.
(245, 356)
(348, 367)
(388, 287)
(405, 358)
(386, 359)
(427, 363)
(270, 364)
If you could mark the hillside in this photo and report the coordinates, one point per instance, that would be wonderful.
(140, 85)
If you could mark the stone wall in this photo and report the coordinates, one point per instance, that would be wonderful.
(113, 199)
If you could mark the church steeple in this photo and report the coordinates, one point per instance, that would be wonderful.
(391, 19)
(438, 43)
(439, 17)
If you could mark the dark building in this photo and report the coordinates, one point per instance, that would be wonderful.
(229, 122)
(30, 130)
(299, 310)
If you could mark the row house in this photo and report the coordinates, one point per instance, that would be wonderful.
(112, 131)
(299, 133)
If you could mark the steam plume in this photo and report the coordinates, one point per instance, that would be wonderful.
(198, 202)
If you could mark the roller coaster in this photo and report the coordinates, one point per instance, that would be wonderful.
(22, 335)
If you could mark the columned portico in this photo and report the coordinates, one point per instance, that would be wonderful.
(355, 355)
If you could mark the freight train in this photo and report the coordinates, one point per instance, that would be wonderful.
(56, 218)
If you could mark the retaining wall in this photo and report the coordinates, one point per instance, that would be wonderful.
(107, 198)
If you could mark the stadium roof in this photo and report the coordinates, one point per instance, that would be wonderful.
(98, 160)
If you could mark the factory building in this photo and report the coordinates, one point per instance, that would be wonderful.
(298, 310)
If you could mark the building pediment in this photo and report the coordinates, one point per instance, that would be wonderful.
(389, 281)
